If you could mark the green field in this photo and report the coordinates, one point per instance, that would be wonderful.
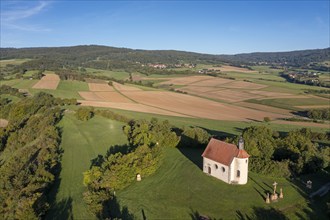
(178, 190)
(291, 103)
(117, 74)
(65, 89)
(19, 83)
(81, 142)
(13, 62)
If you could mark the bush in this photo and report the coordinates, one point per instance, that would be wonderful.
(84, 114)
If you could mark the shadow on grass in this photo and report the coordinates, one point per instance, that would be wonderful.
(63, 208)
(114, 211)
(194, 155)
(260, 213)
(195, 215)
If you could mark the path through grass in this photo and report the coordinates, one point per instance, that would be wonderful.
(81, 142)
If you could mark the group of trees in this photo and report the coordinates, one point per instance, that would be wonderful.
(29, 155)
(293, 153)
(119, 167)
(319, 114)
(4, 89)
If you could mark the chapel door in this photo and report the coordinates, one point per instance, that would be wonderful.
(209, 170)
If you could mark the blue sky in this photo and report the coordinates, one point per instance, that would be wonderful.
(216, 27)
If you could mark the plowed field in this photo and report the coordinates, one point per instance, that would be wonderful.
(49, 81)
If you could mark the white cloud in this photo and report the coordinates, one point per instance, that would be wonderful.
(17, 11)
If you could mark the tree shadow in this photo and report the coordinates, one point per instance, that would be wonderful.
(63, 208)
(124, 149)
(221, 135)
(114, 211)
(267, 213)
(195, 215)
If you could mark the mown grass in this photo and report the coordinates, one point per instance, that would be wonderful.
(81, 142)
(180, 190)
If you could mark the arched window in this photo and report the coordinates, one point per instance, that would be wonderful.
(215, 166)
(238, 173)
(246, 161)
(223, 169)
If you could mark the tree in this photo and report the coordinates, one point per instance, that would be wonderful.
(84, 114)
(259, 141)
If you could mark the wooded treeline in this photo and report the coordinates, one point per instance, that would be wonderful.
(78, 55)
(29, 155)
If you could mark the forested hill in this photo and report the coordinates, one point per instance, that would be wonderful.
(292, 58)
(82, 54)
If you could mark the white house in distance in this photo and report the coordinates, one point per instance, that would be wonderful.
(226, 162)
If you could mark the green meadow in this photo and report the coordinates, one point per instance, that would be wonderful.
(81, 142)
(178, 190)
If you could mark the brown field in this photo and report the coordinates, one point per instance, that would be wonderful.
(99, 81)
(264, 108)
(3, 123)
(104, 97)
(243, 85)
(313, 106)
(231, 95)
(198, 107)
(49, 81)
(186, 80)
(233, 69)
(131, 107)
(124, 88)
(199, 89)
(100, 87)
(213, 82)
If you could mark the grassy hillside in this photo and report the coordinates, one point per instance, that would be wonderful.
(81, 142)
(180, 190)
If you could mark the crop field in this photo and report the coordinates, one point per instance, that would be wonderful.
(49, 81)
(19, 83)
(97, 87)
(290, 103)
(196, 107)
(225, 68)
(114, 74)
(105, 97)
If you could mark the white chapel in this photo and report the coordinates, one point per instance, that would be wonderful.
(226, 162)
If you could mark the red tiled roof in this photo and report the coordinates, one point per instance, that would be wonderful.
(242, 154)
(223, 152)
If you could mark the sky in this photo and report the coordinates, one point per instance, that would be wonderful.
(214, 27)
